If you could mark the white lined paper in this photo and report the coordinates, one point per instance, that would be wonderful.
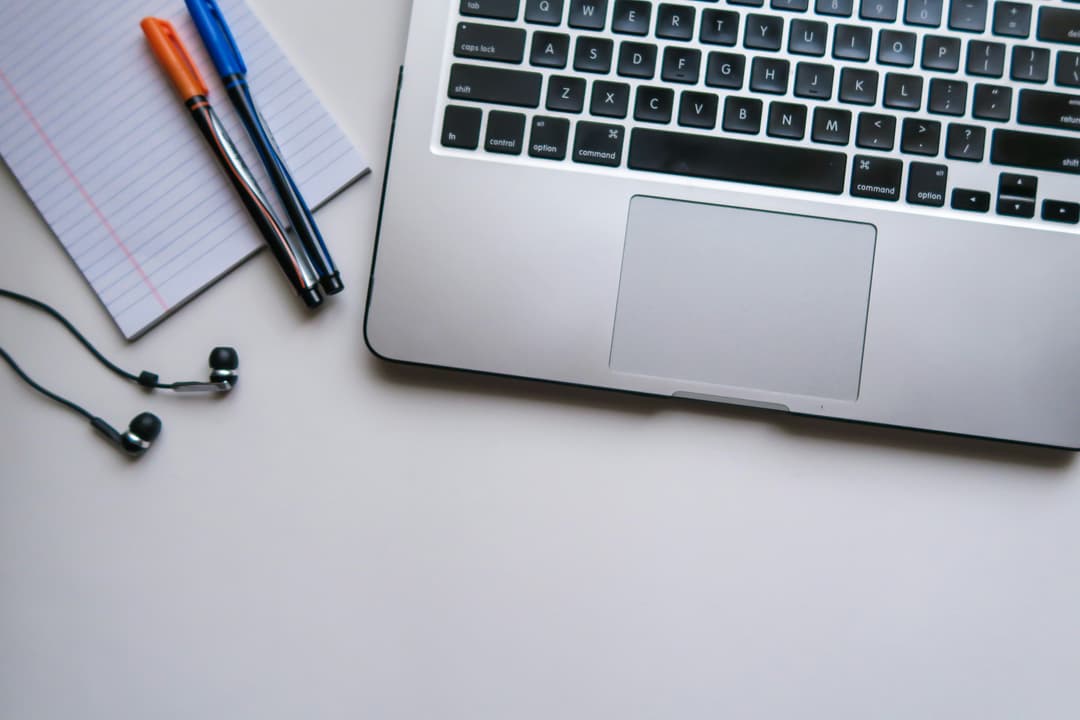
(95, 134)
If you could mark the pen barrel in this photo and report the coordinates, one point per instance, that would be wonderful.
(300, 216)
(295, 265)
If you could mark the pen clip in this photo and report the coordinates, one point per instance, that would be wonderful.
(174, 57)
(217, 37)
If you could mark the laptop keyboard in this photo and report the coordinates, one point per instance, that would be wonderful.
(970, 106)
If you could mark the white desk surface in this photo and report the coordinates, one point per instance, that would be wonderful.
(345, 539)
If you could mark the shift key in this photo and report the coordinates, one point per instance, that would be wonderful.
(495, 85)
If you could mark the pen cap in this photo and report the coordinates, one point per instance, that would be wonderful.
(217, 37)
(173, 57)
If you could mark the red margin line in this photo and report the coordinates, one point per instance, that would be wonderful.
(82, 190)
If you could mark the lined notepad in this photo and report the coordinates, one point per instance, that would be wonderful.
(97, 137)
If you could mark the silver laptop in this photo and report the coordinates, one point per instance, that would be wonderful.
(857, 210)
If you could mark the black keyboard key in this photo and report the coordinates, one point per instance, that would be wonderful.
(544, 12)
(548, 138)
(903, 92)
(1061, 212)
(986, 58)
(593, 54)
(763, 32)
(790, 5)
(505, 132)
(926, 13)
(598, 144)
(920, 137)
(698, 110)
(768, 75)
(1048, 109)
(489, 42)
(859, 87)
(876, 132)
(497, 9)
(971, 200)
(927, 184)
(719, 27)
(1015, 207)
(814, 81)
(654, 104)
(1025, 187)
(725, 70)
(631, 17)
(461, 127)
(675, 22)
(969, 15)
(808, 37)
(746, 161)
(852, 42)
(1068, 69)
(755, 3)
(877, 178)
(786, 120)
(495, 85)
(588, 14)
(941, 53)
(896, 48)
(1030, 64)
(1012, 19)
(883, 10)
(637, 60)
(1036, 151)
(992, 102)
(610, 99)
(836, 8)
(550, 49)
(831, 126)
(965, 142)
(681, 65)
(565, 94)
(742, 115)
(948, 97)
(1059, 25)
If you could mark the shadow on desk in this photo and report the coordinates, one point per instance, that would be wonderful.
(838, 432)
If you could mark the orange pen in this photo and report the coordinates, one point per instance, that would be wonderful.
(178, 65)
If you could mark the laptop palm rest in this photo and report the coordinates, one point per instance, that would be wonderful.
(743, 298)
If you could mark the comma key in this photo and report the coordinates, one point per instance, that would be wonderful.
(598, 144)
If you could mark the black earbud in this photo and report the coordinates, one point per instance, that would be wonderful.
(145, 428)
(140, 435)
(224, 372)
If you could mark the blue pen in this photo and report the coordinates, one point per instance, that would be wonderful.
(230, 65)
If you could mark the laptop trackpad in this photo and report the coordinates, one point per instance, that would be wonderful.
(743, 298)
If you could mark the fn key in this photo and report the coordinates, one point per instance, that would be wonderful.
(461, 127)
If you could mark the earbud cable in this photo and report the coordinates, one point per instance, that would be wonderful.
(146, 379)
(51, 395)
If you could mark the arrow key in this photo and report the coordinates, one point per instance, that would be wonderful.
(1062, 212)
(1023, 187)
(971, 200)
(1015, 207)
